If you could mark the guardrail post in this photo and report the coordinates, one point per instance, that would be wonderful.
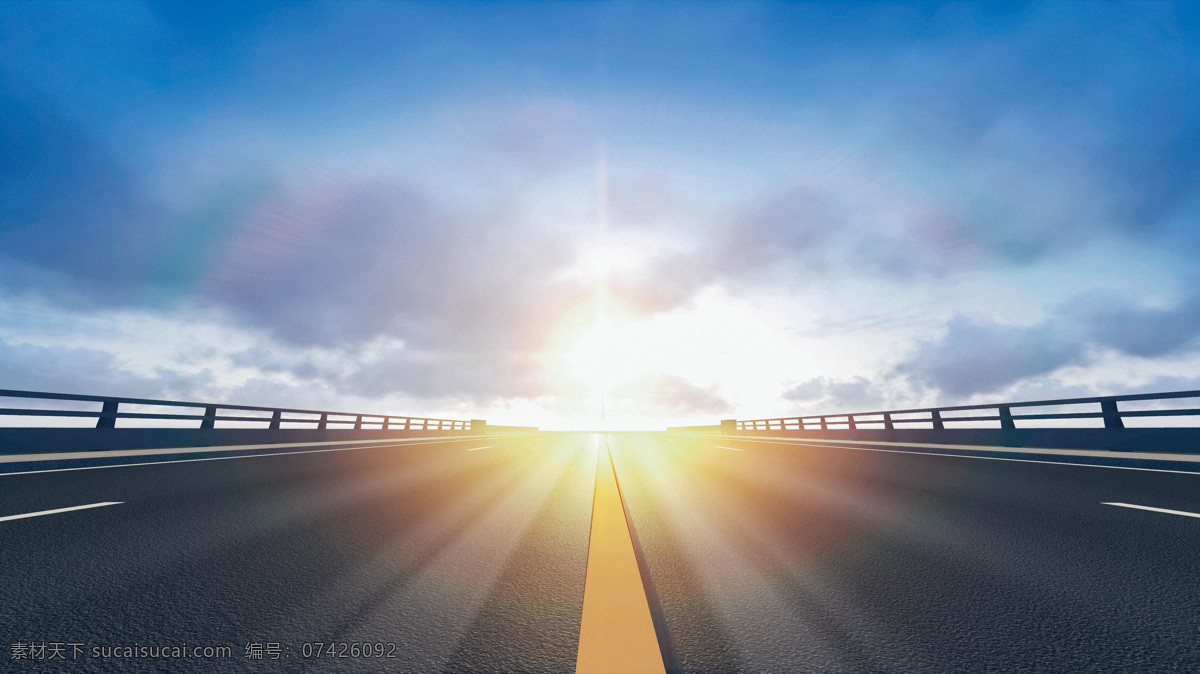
(210, 417)
(321, 423)
(276, 416)
(358, 423)
(1112, 417)
(851, 420)
(887, 421)
(937, 421)
(108, 415)
(1006, 420)
(824, 426)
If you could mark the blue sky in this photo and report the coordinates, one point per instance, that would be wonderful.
(698, 210)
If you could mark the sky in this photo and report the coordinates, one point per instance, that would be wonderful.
(536, 213)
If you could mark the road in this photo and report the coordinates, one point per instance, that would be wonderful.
(786, 558)
(471, 556)
(465, 558)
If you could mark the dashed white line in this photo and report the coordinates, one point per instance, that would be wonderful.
(377, 442)
(476, 448)
(736, 449)
(861, 448)
(58, 510)
(1157, 510)
(214, 458)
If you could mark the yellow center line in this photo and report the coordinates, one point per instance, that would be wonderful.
(617, 632)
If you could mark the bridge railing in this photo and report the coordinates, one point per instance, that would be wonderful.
(110, 411)
(1110, 412)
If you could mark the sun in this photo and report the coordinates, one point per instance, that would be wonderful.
(610, 354)
(594, 356)
(718, 343)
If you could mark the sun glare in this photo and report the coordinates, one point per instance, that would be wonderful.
(592, 358)
(611, 354)
(717, 347)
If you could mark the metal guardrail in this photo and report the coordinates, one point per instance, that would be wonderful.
(1109, 412)
(110, 411)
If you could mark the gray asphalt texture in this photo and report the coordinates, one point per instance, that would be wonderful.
(465, 560)
(775, 558)
(815, 559)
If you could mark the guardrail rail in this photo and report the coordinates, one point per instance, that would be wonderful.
(1110, 412)
(110, 412)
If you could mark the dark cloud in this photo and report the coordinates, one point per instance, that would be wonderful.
(1008, 146)
(1144, 332)
(372, 371)
(474, 377)
(807, 391)
(1169, 383)
(793, 227)
(346, 263)
(278, 361)
(975, 356)
(788, 236)
(333, 263)
(336, 263)
(983, 356)
(857, 394)
(470, 296)
(61, 369)
(1091, 99)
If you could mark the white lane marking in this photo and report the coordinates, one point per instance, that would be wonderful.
(987, 458)
(475, 448)
(207, 458)
(1156, 510)
(1153, 456)
(59, 510)
(736, 449)
(387, 442)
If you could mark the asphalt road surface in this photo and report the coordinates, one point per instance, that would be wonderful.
(471, 556)
(454, 557)
(791, 558)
